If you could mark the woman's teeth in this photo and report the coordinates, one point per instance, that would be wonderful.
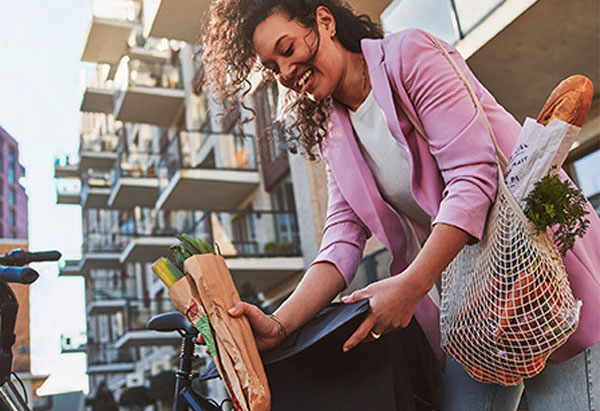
(302, 81)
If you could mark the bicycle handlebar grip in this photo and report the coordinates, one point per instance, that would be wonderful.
(44, 256)
(23, 275)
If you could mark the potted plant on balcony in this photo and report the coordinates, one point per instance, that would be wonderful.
(279, 248)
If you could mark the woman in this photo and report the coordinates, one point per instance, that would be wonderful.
(384, 179)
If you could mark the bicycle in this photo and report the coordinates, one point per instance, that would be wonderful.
(186, 398)
(12, 271)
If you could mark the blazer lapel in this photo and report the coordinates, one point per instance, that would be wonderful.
(384, 95)
(357, 184)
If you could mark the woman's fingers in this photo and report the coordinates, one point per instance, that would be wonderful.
(360, 334)
(357, 295)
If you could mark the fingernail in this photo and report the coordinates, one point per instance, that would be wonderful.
(232, 311)
(345, 298)
(345, 349)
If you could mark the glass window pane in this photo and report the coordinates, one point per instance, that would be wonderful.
(471, 12)
(435, 16)
(588, 170)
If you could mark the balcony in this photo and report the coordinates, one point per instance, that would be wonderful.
(180, 20)
(110, 294)
(102, 249)
(98, 98)
(70, 268)
(149, 90)
(138, 313)
(105, 358)
(220, 166)
(95, 189)
(154, 235)
(98, 152)
(261, 248)
(73, 343)
(531, 67)
(66, 167)
(68, 191)
(134, 182)
(511, 37)
(109, 31)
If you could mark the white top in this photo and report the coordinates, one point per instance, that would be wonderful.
(389, 165)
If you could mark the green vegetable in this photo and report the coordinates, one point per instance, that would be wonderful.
(166, 271)
(187, 247)
(555, 202)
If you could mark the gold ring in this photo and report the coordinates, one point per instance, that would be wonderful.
(375, 335)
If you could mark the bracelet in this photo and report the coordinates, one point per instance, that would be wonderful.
(282, 330)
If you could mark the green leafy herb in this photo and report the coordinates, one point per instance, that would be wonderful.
(555, 202)
(187, 247)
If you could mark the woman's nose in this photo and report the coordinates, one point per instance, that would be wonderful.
(286, 74)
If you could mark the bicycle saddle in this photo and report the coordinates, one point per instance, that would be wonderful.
(172, 321)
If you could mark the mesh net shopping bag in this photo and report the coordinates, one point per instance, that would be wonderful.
(506, 301)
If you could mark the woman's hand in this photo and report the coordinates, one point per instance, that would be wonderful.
(392, 302)
(267, 331)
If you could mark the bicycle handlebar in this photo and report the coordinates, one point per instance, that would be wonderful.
(20, 257)
(23, 275)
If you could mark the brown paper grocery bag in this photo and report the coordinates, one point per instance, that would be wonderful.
(240, 365)
(185, 297)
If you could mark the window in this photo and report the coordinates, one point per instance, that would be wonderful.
(11, 165)
(277, 141)
(11, 196)
(11, 218)
(586, 170)
(282, 200)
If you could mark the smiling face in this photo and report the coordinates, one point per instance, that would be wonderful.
(301, 59)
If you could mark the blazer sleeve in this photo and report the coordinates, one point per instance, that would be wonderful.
(344, 234)
(458, 137)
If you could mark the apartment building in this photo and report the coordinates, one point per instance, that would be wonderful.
(159, 156)
(13, 198)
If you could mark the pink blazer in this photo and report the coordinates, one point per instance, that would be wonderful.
(453, 177)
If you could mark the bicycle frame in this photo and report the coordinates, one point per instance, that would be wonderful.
(10, 398)
(185, 395)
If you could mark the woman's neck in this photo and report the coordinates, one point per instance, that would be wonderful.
(354, 86)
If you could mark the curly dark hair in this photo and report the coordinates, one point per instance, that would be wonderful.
(228, 52)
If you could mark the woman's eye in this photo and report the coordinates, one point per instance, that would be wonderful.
(288, 52)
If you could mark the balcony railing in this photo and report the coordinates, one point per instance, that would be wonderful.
(73, 343)
(105, 241)
(206, 151)
(138, 312)
(106, 143)
(122, 10)
(162, 224)
(138, 165)
(138, 72)
(451, 20)
(113, 288)
(68, 191)
(250, 233)
(106, 353)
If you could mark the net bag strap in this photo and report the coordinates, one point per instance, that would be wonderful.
(500, 157)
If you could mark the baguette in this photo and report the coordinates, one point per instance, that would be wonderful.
(570, 101)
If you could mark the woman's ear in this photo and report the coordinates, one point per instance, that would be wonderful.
(325, 19)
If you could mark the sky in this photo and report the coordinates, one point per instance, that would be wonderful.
(40, 92)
